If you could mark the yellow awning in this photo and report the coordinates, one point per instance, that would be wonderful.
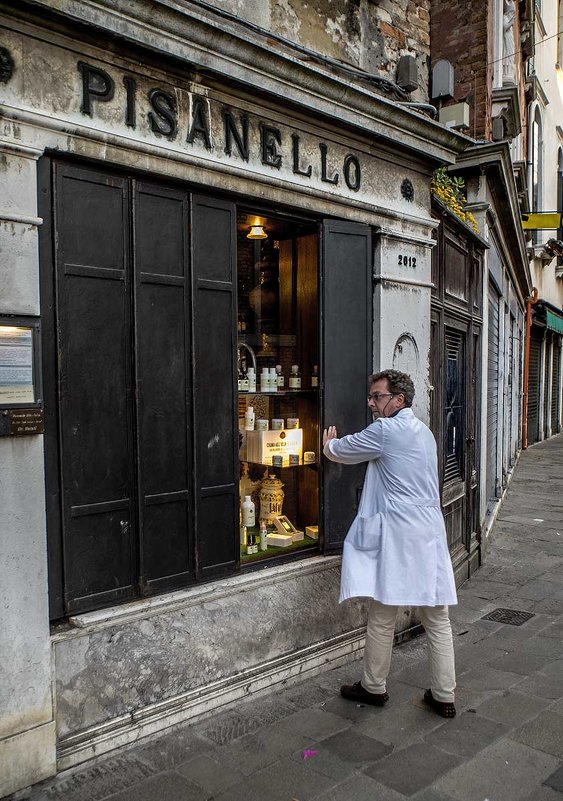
(542, 219)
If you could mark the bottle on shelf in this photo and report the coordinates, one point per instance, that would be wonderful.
(240, 378)
(263, 535)
(280, 379)
(265, 380)
(249, 419)
(315, 376)
(244, 381)
(295, 377)
(251, 376)
(273, 380)
(248, 512)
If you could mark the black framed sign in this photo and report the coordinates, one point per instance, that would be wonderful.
(21, 409)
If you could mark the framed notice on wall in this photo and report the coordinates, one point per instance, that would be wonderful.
(19, 362)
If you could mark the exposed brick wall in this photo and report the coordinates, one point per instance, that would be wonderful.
(461, 32)
(370, 34)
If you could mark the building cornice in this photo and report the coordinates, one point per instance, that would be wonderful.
(204, 44)
(493, 159)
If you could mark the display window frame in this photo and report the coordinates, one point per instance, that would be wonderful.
(34, 326)
(211, 495)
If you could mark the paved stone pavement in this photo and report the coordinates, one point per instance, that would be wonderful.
(307, 743)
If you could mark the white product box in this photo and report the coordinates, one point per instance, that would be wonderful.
(312, 532)
(262, 445)
(279, 540)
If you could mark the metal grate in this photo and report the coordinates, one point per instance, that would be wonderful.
(514, 617)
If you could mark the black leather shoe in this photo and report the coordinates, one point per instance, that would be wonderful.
(355, 692)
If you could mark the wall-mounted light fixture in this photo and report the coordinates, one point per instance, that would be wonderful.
(257, 232)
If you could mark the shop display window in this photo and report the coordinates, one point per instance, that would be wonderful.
(278, 385)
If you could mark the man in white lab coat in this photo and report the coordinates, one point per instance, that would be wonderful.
(396, 552)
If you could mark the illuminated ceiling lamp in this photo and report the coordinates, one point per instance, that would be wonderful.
(257, 232)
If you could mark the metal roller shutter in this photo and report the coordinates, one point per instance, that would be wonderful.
(534, 374)
(492, 393)
(555, 390)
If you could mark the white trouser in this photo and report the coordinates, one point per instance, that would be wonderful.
(379, 644)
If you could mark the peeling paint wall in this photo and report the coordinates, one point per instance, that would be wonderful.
(369, 34)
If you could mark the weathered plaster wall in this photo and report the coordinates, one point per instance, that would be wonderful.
(364, 33)
(27, 735)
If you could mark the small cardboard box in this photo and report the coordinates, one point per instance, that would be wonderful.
(279, 540)
(262, 445)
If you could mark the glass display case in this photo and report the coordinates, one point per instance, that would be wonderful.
(278, 385)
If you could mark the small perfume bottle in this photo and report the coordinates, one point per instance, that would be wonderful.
(244, 381)
(280, 377)
(263, 535)
(249, 419)
(315, 376)
(251, 376)
(248, 512)
(273, 380)
(295, 377)
(240, 379)
(265, 380)
(249, 544)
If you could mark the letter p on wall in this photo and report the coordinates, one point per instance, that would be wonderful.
(96, 85)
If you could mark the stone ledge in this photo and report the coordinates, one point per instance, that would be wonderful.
(193, 596)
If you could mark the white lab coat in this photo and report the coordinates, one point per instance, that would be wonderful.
(396, 549)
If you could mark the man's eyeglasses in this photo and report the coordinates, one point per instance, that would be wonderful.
(375, 396)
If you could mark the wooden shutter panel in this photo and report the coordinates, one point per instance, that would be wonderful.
(163, 372)
(93, 321)
(215, 405)
(347, 358)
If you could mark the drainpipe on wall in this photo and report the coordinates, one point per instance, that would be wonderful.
(528, 331)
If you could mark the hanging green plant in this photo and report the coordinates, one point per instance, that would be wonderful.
(450, 190)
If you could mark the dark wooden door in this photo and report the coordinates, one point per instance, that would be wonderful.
(454, 412)
(93, 290)
(216, 444)
(347, 362)
(162, 372)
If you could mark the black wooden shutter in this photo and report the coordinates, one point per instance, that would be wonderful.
(347, 362)
(94, 320)
(163, 385)
(215, 404)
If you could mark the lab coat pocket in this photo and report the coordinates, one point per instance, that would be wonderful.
(369, 533)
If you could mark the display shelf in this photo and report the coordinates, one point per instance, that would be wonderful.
(282, 393)
(272, 550)
(313, 465)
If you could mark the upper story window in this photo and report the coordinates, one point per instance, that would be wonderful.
(536, 164)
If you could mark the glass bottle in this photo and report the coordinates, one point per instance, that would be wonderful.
(315, 377)
(295, 377)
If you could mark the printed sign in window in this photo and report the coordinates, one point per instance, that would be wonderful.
(16, 364)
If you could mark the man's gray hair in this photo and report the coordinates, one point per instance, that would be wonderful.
(399, 383)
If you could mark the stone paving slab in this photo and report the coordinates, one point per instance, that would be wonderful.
(283, 781)
(466, 734)
(166, 786)
(511, 707)
(556, 780)
(505, 771)
(209, 775)
(260, 749)
(544, 733)
(360, 788)
(413, 768)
